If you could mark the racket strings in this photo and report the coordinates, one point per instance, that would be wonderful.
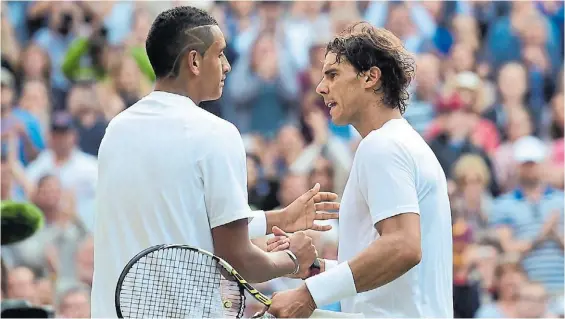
(178, 283)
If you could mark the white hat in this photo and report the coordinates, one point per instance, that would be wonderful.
(529, 149)
(468, 80)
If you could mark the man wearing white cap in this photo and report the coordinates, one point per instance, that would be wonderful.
(529, 219)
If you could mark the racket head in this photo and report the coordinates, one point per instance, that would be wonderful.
(163, 272)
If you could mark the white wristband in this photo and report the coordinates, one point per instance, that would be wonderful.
(329, 264)
(332, 286)
(258, 225)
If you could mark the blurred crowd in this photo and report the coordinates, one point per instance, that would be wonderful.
(488, 97)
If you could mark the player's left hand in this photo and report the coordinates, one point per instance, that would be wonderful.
(294, 303)
(309, 207)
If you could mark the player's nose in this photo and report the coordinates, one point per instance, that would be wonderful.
(322, 88)
(226, 67)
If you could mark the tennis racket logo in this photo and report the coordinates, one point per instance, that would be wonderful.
(259, 296)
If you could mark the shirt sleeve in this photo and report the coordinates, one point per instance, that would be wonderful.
(224, 173)
(386, 179)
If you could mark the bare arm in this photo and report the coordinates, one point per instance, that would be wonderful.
(512, 245)
(392, 255)
(387, 258)
(231, 242)
(395, 252)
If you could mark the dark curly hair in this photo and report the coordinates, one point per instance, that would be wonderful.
(167, 37)
(365, 46)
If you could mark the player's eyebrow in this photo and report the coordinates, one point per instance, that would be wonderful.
(330, 70)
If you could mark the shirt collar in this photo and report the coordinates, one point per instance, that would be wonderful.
(172, 98)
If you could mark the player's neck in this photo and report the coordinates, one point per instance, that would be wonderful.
(373, 117)
(179, 88)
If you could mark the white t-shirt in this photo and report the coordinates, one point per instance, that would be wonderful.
(169, 172)
(395, 172)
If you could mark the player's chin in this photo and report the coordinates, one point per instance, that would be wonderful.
(339, 120)
(216, 94)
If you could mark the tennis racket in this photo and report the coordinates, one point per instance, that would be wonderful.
(181, 281)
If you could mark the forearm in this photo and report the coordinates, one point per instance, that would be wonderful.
(304, 163)
(30, 150)
(386, 259)
(255, 265)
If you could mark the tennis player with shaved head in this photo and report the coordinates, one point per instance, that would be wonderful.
(173, 173)
(395, 244)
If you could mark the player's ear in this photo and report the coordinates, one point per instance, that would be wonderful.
(194, 62)
(372, 77)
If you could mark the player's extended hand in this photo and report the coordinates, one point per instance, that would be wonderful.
(278, 243)
(302, 247)
(294, 303)
(309, 207)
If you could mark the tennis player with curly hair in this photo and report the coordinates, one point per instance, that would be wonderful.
(395, 244)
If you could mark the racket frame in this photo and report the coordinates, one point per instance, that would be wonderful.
(241, 282)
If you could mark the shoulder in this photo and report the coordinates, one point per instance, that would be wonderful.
(217, 134)
(378, 143)
(395, 142)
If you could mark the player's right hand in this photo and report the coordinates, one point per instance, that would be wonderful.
(301, 246)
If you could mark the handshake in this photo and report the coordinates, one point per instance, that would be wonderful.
(300, 245)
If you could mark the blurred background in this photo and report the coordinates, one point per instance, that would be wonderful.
(488, 98)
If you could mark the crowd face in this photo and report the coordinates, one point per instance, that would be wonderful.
(509, 283)
(75, 305)
(512, 82)
(48, 195)
(532, 301)
(21, 284)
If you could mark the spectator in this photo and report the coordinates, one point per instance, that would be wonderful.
(20, 122)
(74, 303)
(323, 144)
(421, 112)
(533, 300)
(465, 287)
(263, 87)
(557, 159)
(455, 140)
(472, 202)
(36, 102)
(15, 185)
(39, 65)
(45, 291)
(49, 250)
(509, 278)
(55, 39)
(530, 218)
(518, 125)
(76, 169)
(84, 106)
(85, 261)
(21, 285)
